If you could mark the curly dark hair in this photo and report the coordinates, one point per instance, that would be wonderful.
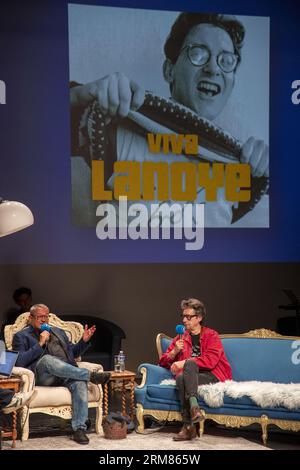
(186, 21)
(195, 304)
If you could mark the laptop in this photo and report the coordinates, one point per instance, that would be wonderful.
(293, 298)
(7, 362)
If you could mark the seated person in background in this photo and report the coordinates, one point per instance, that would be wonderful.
(11, 401)
(51, 356)
(23, 298)
(195, 358)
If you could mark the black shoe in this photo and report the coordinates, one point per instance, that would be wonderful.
(88, 424)
(100, 378)
(80, 437)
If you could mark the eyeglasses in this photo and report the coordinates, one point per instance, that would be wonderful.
(188, 317)
(41, 317)
(200, 56)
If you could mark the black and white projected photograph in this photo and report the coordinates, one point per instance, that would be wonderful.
(144, 81)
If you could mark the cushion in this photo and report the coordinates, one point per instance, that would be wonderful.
(60, 396)
(265, 360)
(162, 392)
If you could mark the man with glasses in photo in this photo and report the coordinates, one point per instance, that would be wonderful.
(202, 56)
(195, 358)
(51, 356)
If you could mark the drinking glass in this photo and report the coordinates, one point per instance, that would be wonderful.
(117, 365)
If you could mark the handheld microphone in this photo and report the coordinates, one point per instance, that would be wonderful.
(180, 329)
(45, 327)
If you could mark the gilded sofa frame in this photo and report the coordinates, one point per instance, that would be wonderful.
(227, 420)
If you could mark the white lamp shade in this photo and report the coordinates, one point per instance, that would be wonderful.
(14, 216)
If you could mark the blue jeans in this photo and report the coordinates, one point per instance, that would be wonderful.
(52, 371)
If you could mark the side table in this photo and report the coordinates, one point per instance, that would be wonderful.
(14, 384)
(127, 377)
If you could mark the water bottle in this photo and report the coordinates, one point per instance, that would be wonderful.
(122, 361)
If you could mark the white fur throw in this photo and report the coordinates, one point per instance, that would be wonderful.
(264, 394)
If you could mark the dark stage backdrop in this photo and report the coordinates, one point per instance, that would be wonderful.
(45, 44)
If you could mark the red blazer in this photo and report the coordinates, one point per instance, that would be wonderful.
(212, 354)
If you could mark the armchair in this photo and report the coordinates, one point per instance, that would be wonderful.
(54, 401)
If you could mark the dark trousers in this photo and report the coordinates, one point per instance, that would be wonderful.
(5, 397)
(187, 384)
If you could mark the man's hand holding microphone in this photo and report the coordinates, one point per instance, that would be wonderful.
(44, 334)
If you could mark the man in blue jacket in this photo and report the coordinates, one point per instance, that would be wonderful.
(51, 356)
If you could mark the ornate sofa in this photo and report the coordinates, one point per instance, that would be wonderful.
(53, 400)
(259, 355)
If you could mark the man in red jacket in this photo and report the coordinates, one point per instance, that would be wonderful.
(195, 358)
